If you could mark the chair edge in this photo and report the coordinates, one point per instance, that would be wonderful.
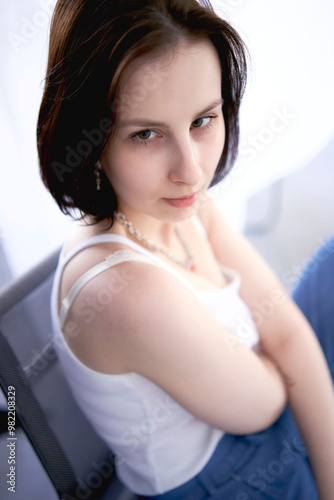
(22, 285)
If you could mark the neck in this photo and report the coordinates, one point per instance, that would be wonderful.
(159, 231)
(171, 231)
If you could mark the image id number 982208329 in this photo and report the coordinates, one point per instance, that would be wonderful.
(11, 444)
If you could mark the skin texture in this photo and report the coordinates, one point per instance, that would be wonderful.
(170, 337)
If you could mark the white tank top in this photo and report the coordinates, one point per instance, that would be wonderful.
(158, 445)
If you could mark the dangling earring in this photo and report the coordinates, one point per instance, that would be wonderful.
(98, 175)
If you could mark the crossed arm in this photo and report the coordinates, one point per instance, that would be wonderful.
(287, 338)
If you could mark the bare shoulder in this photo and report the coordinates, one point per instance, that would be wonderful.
(133, 292)
(118, 315)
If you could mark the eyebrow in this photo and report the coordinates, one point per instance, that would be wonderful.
(143, 122)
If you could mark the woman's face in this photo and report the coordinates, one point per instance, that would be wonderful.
(169, 134)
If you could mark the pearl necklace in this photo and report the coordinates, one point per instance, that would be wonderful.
(188, 263)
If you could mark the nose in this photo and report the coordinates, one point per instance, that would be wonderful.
(185, 163)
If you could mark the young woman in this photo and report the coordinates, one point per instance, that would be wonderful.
(165, 318)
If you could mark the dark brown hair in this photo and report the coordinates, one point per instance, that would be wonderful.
(92, 42)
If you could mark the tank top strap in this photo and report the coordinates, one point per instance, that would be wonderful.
(110, 261)
(96, 240)
(134, 252)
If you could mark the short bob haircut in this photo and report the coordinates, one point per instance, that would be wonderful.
(92, 42)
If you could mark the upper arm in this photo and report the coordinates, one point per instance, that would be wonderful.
(167, 335)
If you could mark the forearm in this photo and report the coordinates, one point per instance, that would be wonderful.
(311, 398)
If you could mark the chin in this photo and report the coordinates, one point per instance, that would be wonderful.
(176, 215)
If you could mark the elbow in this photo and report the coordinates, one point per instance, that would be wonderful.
(256, 415)
(276, 404)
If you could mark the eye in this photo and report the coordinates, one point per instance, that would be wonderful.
(144, 135)
(202, 122)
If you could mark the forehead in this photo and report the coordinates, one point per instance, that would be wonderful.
(184, 79)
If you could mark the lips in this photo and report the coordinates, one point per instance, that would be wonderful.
(184, 201)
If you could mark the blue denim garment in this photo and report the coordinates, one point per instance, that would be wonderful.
(267, 465)
(314, 294)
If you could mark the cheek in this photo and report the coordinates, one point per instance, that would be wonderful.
(129, 173)
(116, 162)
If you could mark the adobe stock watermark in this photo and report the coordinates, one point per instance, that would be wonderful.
(136, 435)
(154, 74)
(30, 27)
(101, 472)
(92, 305)
(280, 119)
(247, 324)
(260, 311)
(264, 476)
(254, 145)
(309, 264)
(249, 149)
